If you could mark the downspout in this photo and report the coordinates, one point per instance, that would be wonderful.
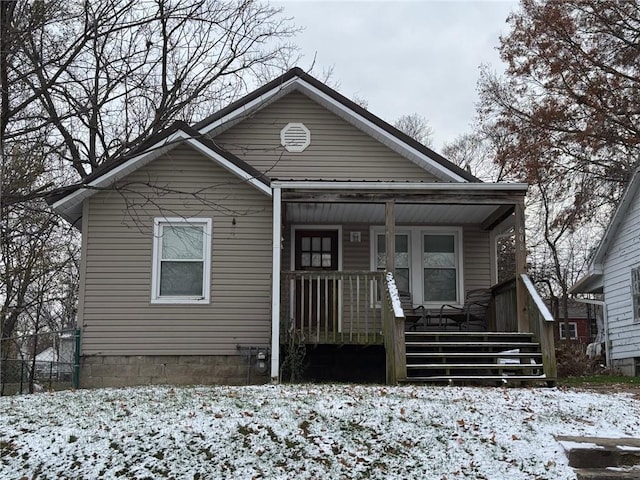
(275, 287)
(605, 324)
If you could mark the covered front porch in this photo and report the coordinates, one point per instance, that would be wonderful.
(360, 263)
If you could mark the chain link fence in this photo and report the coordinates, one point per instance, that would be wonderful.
(39, 362)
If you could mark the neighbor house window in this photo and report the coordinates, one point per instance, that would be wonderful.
(573, 330)
(440, 267)
(402, 274)
(181, 260)
(635, 293)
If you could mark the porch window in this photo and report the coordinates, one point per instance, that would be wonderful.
(635, 293)
(440, 264)
(402, 274)
(181, 260)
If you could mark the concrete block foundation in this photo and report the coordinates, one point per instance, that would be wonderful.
(130, 370)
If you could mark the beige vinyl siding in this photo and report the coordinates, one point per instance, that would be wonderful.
(622, 255)
(118, 317)
(477, 258)
(338, 151)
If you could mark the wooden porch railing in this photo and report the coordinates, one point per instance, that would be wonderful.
(541, 322)
(504, 311)
(331, 307)
(393, 321)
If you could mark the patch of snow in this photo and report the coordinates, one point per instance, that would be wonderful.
(629, 448)
(568, 445)
(304, 432)
(395, 297)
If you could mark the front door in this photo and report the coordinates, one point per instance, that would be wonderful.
(316, 296)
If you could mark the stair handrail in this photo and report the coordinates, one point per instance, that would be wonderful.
(542, 322)
(393, 320)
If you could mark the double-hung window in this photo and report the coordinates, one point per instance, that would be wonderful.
(635, 293)
(440, 267)
(181, 260)
(402, 275)
(428, 263)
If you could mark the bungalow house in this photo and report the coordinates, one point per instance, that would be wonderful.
(292, 213)
(614, 275)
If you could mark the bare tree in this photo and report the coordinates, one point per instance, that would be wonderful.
(96, 78)
(567, 113)
(83, 82)
(416, 126)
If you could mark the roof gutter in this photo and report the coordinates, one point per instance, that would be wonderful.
(347, 185)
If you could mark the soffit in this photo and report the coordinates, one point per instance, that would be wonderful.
(375, 213)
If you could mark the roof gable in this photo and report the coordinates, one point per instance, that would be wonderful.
(593, 280)
(297, 80)
(69, 202)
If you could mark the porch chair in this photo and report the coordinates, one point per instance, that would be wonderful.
(414, 317)
(475, 309)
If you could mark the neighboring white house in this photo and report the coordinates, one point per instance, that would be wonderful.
(614, 271)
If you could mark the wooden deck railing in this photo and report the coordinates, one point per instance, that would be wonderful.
(504, 311)
(393, 321)
(333, 307)
(541, 322)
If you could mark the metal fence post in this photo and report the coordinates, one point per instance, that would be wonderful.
(76, 359)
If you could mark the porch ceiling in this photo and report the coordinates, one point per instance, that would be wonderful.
(429, 214)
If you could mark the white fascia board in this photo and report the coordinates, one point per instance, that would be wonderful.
(344, 112)
(380, 133)
(617, 218)
(346, 185)
(593, 280)
(120, 171)
(231, 167)
(249, 107)
(153, 152)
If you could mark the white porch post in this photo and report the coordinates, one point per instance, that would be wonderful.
(275, 287)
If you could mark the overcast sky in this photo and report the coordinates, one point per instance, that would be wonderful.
(405, 56)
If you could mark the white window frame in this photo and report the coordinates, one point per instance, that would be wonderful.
(456, 233)
(416, 268)
(158, 223)
(635, 294)
(573, 330)
(375, 232)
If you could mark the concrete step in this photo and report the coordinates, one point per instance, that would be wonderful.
(610, 473)
(602, 457)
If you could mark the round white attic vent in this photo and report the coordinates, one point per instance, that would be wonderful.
(295, 137)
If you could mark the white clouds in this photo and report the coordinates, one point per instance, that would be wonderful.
(405, 57)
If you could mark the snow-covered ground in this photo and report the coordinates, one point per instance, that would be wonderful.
(304, 432)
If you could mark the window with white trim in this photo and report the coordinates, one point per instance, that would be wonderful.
(428, 263)
(181, 260)
(573, 330)
(440, 267)
(403, 268)
(635, 293)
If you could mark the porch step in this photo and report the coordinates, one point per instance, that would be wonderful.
(475, 378)
(473, 357)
